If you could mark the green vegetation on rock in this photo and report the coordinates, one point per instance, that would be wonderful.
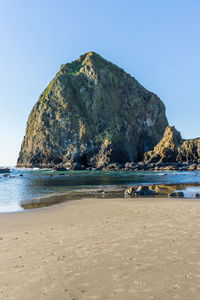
(92, 113)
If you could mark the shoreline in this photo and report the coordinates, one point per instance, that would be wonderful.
(106, 193)
(140, 199)
(102, 249)
(145, 165)
(106, 186)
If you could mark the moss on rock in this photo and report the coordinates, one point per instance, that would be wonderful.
(92, 113)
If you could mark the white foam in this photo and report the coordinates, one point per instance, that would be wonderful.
(10, 208)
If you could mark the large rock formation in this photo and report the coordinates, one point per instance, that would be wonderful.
(172, 148)
(92, 113)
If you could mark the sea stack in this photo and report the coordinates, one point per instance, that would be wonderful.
(92, 114)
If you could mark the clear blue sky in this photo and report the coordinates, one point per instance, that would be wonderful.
(158, 42)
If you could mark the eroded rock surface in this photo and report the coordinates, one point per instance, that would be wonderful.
(189, 151)
(92, 114)
(172, 148)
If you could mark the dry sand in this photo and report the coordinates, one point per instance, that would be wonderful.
(102, 249)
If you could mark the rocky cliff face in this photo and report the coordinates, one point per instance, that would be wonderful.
(172, 148)
(92, 113)
(189, 151)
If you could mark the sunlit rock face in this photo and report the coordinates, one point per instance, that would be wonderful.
(92, 113)
(189, 151)
(172, 148)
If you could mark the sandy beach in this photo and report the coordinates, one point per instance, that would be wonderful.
(102, 249)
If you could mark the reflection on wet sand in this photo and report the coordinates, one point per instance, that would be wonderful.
(162, 190)
(68, 196)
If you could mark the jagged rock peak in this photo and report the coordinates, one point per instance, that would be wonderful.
(89, 64)
(171, 139)
(172, 148)
(92, 113)
(167, 148)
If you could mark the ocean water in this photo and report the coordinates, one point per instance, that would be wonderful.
(15, 190)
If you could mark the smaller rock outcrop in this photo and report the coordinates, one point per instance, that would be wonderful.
(172, 148)
(176, 195)
(129, 192)
(189, 151)
(141, 190)
(5, 175)
(144, 191)
(4, 170)
(197, 195)
(167, 149)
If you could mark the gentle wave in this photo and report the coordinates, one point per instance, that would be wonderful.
(24, 184)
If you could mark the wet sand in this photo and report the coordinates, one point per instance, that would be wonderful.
(102, 249)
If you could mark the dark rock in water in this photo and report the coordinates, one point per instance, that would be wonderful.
(129, 192)
(92, 114)
(171, 195)
(176, 195)
(172, 148)
(101, 192)
(4, 170)
(144, 191)
(5, 175)
(139, 191)
(142, 188)
(180, 194)
(197, 195)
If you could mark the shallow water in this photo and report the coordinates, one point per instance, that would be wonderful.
(17, 190)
